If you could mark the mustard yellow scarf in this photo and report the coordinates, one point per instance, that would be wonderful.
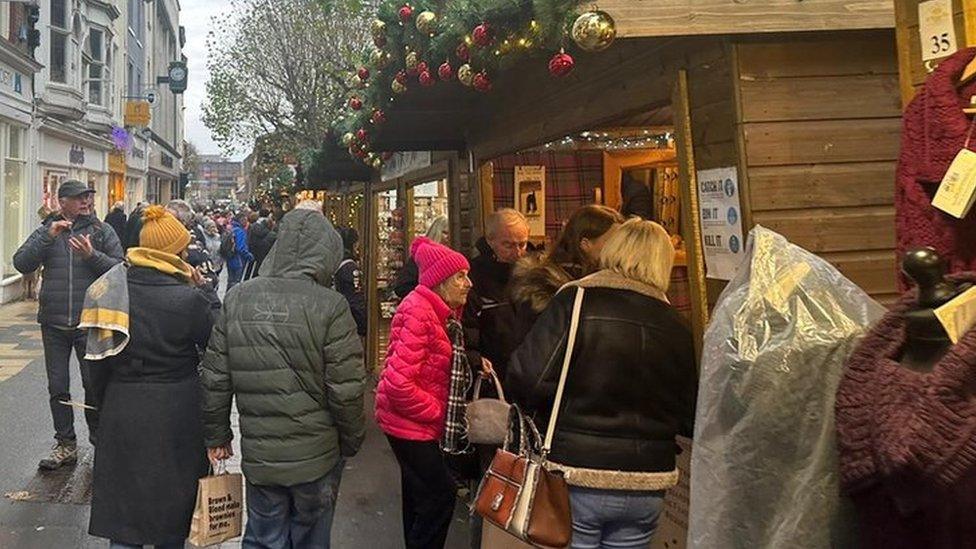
(161, 261)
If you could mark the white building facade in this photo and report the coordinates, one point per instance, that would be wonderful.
(63, 109)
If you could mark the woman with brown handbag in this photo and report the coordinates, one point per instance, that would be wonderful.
(630, 388)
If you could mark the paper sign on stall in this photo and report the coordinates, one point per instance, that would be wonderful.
(721, 221)
(936, 30)
(530, 197)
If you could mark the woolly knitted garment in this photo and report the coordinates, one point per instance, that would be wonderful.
(907, 439)
(934, 130)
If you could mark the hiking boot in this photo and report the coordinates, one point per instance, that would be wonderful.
(62, 453)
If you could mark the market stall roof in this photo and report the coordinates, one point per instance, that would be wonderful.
(332, 164)
(527, 106)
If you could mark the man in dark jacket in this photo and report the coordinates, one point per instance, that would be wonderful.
(489, 316)
(286, 347)
(116, 218)
(260, 238)
(349, 279)
(75, 248)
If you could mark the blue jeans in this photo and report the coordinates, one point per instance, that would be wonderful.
(117, 545)
(282, 517)
(615, 519)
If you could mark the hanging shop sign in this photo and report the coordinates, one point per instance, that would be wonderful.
(936, 31)
(530, 197)
(721, 221)
(116, 162)
(137, 114)
(403, 163)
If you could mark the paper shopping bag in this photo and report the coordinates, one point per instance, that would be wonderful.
(217, 515)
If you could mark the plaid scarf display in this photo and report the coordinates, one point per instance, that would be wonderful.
(455, 439)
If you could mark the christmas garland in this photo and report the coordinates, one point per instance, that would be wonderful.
(468, 41)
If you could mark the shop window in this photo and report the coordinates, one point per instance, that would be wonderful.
(59, 41)
(52, 180)
(14, 171)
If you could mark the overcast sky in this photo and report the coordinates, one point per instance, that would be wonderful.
(196, 16)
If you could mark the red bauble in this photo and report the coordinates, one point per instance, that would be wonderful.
(561, 64)
(481, 82)
(446, 72)
(426, 79)
(463, 53)
(361, 134)
(482, 35)
(363, 74)
(355, 103)
(422, 67)
(378, 117)
(406, 13)
(401, 77)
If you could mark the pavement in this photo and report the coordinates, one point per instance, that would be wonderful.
(45, 511)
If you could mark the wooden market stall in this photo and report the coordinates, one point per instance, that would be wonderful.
(807, 115)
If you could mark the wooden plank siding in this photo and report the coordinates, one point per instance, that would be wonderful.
(640, 18)
(820, 118)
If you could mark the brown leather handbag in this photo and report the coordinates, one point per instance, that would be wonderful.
(519, 493)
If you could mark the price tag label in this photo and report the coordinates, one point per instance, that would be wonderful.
(958, 188)
(937, 33)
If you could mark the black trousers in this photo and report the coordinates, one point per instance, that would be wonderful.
(428, 492)
(58, 345)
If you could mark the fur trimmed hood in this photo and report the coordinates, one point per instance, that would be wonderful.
(610, 279)
(535, 281)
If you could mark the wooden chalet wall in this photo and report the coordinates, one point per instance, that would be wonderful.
(913, 70)
(819, 120)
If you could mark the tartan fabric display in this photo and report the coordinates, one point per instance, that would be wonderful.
(455, 439)
(571, 179)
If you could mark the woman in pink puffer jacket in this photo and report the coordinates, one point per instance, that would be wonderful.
(411, 399)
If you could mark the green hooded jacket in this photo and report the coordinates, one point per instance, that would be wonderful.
(286, 347)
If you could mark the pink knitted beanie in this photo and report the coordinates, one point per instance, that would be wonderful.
(437, 262)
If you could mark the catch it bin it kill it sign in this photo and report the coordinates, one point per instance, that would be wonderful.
(721, 221)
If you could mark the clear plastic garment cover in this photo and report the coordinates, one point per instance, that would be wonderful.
(764, 464)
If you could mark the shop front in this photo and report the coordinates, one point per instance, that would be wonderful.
(136, 172)
(163, 178)
(66, 154)
(17, 136)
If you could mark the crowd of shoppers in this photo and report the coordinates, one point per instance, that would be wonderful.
(286, 346)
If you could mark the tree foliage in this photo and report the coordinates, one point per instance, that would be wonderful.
(279, 67)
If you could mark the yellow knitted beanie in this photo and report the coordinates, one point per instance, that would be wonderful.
(162, 231)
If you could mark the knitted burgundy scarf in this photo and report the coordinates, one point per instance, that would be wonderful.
(901, 426)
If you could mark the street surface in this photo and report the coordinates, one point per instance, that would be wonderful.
(45, 511)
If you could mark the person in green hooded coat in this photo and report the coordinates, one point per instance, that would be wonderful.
(286, 347)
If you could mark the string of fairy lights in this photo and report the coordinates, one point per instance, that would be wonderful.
(614, 141)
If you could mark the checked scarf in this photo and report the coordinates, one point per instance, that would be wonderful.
(455, 439)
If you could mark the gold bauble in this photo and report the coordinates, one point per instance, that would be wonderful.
(397, 87)
(412, 60)
(426, 22)
(377, 163)
(355, 82)
(378, 29)
(348, 139)
(380, 58)
(466, 74)
(594, 31)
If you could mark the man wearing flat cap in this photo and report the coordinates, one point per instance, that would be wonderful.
(75, 248)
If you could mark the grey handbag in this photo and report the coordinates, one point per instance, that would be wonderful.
(487, 418)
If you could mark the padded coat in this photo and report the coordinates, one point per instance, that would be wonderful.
(411, 399)
(286, 347)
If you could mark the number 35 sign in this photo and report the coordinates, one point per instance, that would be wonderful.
(937, 32)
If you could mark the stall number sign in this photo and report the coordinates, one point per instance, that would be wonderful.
(721, 221)
(936, 30)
